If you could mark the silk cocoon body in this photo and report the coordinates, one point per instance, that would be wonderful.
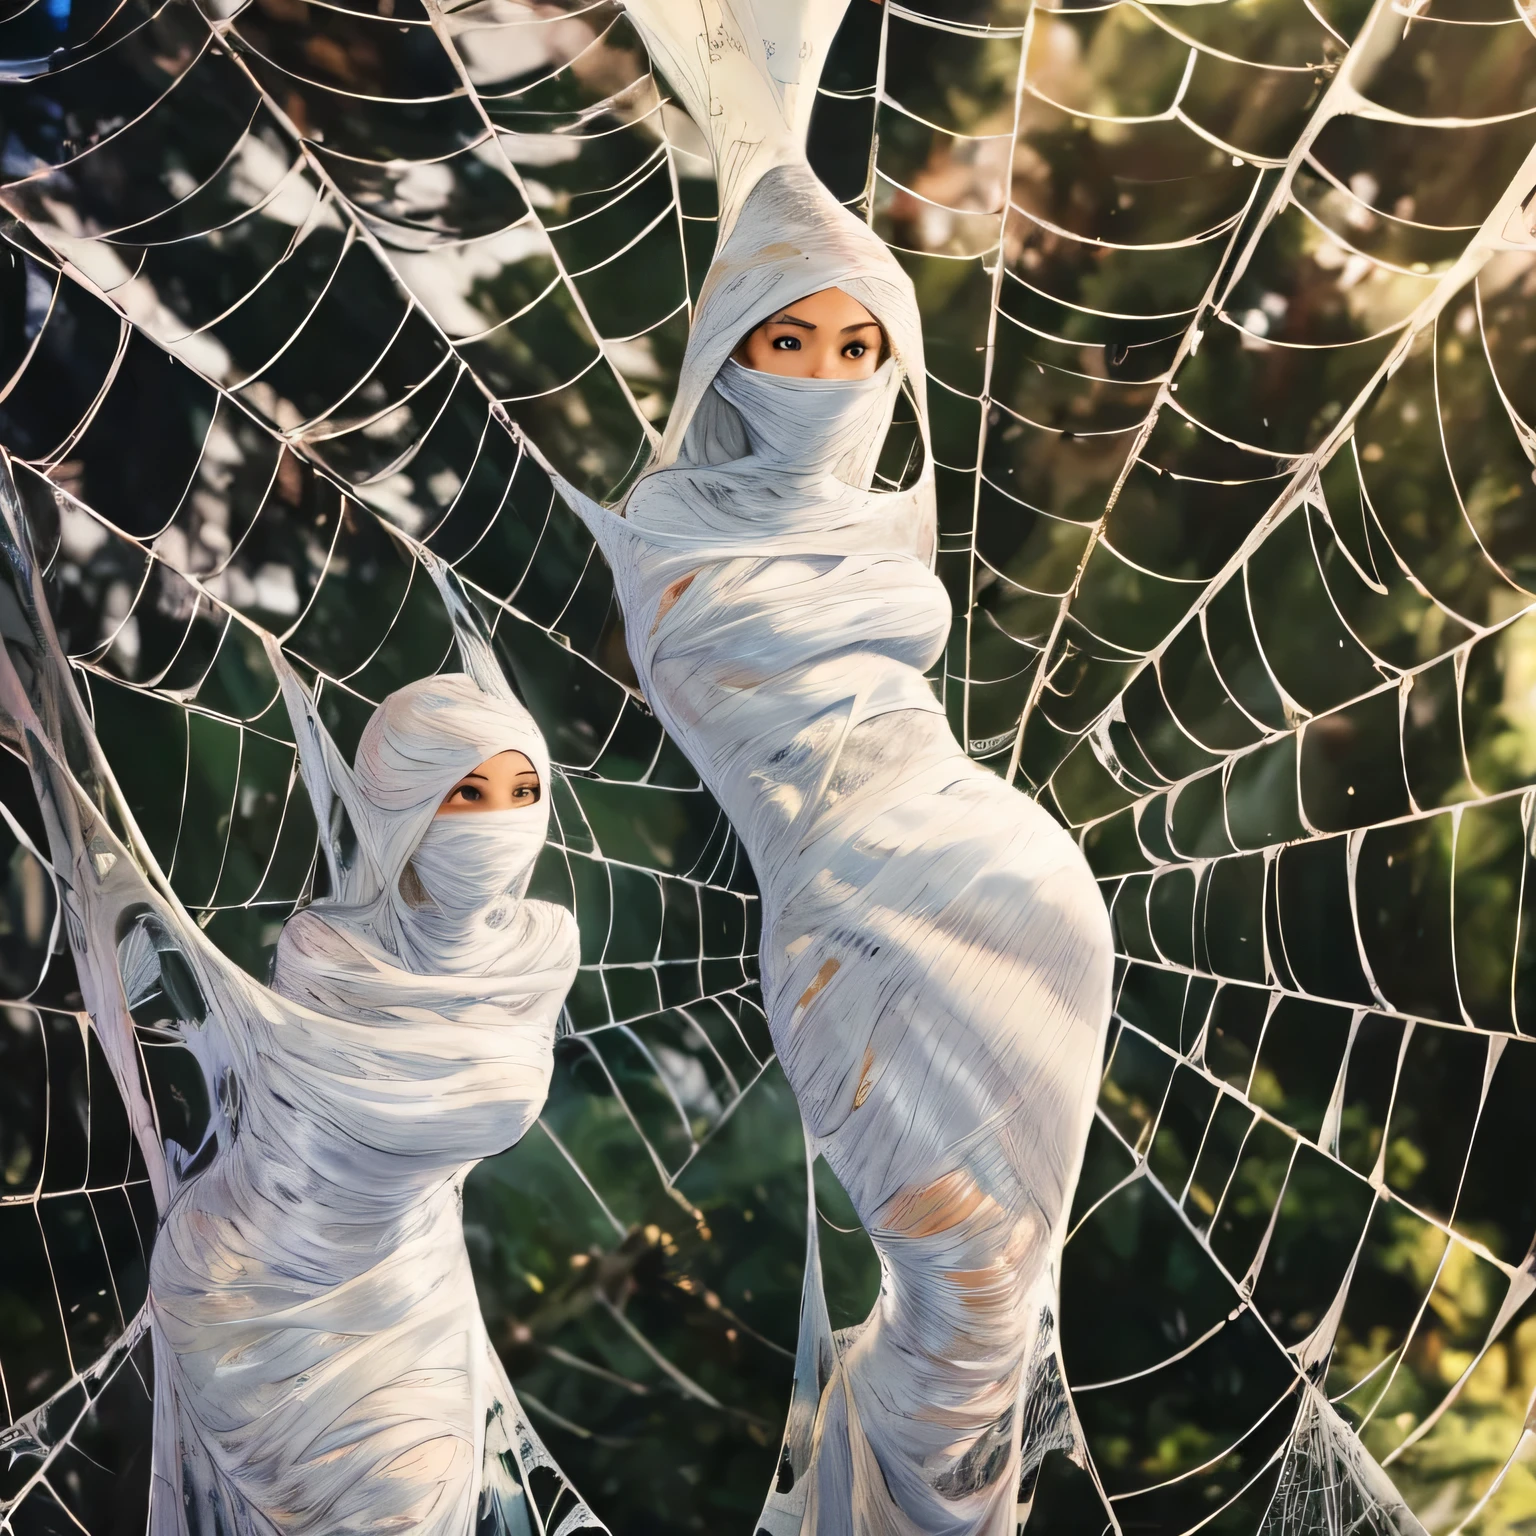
(324, 1367)
(936, 956)
(321, 1365)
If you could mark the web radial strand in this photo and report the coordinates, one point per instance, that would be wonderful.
(1234, 424)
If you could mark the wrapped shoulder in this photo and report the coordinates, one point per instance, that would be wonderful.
(308, 942)
(554, 939)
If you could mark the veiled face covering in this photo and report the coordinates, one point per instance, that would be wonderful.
(470, 864)
(473, 870)
(811, 426)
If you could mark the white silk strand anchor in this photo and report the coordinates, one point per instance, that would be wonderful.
(936, 958)
(321, 1364)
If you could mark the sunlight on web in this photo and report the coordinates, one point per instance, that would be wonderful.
(1222, 274)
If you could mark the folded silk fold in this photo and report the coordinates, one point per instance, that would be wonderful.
(936, 958)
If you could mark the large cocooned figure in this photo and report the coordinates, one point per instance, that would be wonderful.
(936, 958)
(321, 1365)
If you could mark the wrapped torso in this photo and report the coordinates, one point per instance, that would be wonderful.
(935, 955)
(758, 647)
(327, 1370)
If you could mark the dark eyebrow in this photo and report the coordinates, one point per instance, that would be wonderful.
(861, 325)
(471, 776)
(804, 325)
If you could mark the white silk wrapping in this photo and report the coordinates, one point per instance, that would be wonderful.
(321, 1364)
(936, 956)
(746, 71)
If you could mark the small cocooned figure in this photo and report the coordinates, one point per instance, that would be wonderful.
(320, 1362)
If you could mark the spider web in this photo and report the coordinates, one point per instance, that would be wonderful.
(314, 428)
(1228, 312)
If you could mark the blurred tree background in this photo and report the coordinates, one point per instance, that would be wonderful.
(1229, 317)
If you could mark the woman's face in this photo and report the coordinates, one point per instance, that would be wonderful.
(827, 335)
(506, 782)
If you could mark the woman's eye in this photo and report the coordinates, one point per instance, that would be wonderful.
(786, 343)
(855, 349)
(468, 791)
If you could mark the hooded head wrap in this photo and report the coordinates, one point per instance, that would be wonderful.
(783, 464)
(470, 870)
(792, 238)
(460, 911)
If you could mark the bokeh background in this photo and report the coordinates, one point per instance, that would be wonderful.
(1231, 324)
